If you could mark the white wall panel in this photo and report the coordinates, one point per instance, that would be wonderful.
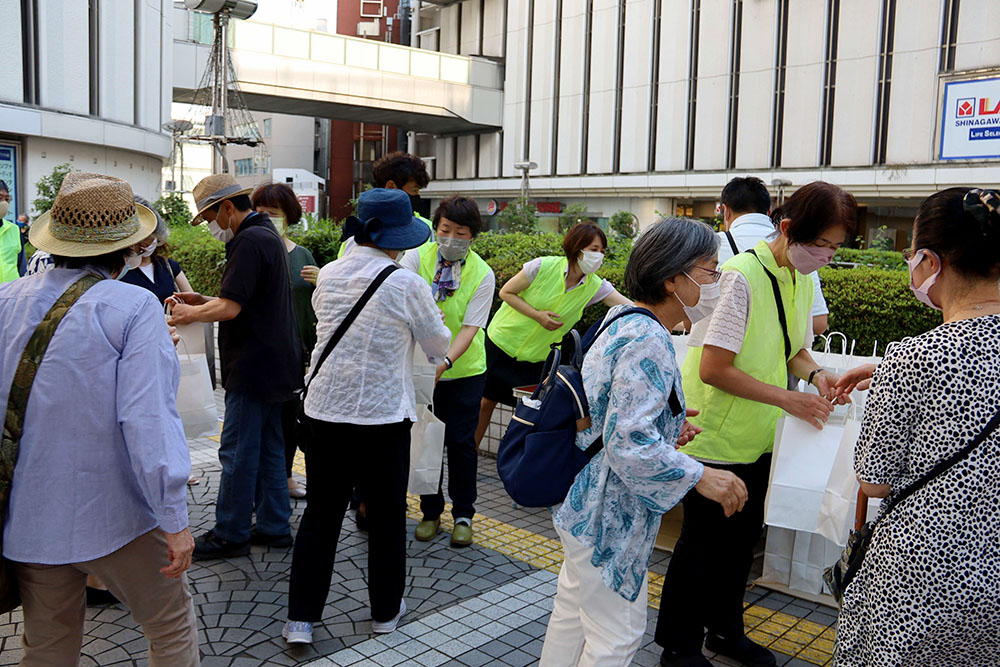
(671, 114)
(603, 73)
(448, 36)
(978, 40)
(444, 164)
(493, 28)
(803, 84)
(753, 120)
(857, 71)
(64, 55)
(571, 86)
(514, 85)
(713, 84)
(166, 70)
(11, 72)
(542, 86)
(636, 90)
(117, 60)
(489, 155)
(913, 95)
(466, 157)
(470, 27)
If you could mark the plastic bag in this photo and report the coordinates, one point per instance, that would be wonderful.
(195, 398)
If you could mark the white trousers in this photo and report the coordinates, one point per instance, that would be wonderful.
(591, 625)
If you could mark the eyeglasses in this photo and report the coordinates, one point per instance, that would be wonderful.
(910, 253)
(712, 272)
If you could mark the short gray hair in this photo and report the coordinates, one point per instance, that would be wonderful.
(670, 247)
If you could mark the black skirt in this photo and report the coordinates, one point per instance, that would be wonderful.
(504, 372)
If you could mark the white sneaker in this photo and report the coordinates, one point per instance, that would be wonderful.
(388, 626)
(297, 632)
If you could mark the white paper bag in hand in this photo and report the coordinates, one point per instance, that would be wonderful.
(426, 453)
(424, 377)
(680, 348)
(195, 398)
(803, 458)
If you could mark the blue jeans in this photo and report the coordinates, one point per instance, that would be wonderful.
(252, 454)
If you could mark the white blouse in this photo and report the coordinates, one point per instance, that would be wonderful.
(368, 378)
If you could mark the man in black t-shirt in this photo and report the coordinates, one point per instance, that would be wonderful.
(261, 369)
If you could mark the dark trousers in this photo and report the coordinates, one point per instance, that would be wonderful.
(456, 403)
(708, 572)
(290, 429)
(338, 457)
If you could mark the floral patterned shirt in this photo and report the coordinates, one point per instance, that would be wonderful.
(616, 501)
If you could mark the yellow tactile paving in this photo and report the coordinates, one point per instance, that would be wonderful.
(782, 632)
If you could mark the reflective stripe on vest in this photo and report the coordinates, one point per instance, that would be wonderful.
(10, 248)
(525, 339)
(739, 430)
(474, 269)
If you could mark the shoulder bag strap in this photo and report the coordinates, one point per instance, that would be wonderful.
(942, 466)
(346, 323)
(24, 376)
(607, 322)
(780, 304)
(732, 242)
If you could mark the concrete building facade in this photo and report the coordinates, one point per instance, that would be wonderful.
(652, 105)
(88, 83)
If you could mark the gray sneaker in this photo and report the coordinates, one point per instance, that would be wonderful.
(297, 632)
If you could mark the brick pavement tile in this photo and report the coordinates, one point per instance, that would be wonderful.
(518, 659)
(432, 659)
(515, 638)
(496, 648)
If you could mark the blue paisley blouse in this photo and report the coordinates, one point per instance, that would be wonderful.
(616, 501)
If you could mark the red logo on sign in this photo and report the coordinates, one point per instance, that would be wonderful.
(966, 107)
(984, 107)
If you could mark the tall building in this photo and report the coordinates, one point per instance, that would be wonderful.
(652, 105)
(86, 83)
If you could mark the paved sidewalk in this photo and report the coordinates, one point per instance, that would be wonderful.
(485, 604)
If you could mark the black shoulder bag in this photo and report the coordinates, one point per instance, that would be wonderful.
(840, 575)
(780, 304)
(302, 421)
(732, 243)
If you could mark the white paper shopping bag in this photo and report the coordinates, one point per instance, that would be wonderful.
(800, 468)
(424, 376)
(426, 453)
(195, 398)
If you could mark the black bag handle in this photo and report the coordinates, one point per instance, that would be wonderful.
(781, 307)
(346, 323)
(732, 243)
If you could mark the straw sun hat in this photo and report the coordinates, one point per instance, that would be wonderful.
(93, 214)
(215, 188)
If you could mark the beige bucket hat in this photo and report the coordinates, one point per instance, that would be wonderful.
(93, 214)
(213, 189)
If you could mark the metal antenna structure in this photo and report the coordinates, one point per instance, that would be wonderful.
(229, 121)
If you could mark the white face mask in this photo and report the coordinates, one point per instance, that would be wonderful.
(224, 235)
(279, 224)
(4, 207)
(708, 298)
(452, 249)
(150, 249)
(590, 261)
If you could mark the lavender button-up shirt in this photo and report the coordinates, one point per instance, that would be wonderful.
(103, 458)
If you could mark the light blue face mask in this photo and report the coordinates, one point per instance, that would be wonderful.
(123, 272)
(132, 259)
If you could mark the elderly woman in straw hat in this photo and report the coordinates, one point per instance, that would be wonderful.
(101, 489)
(360, 405)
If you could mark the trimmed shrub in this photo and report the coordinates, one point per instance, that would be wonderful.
(201, 257)
(871, 305)
(878, 259)
(322, 239)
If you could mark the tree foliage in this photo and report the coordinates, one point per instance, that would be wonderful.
(48, 187)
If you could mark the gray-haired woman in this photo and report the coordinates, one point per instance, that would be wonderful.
(612, 513)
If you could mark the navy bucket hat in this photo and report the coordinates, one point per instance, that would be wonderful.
(385, 218)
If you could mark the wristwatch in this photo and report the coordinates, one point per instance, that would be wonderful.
(448, 362)
(811, 375)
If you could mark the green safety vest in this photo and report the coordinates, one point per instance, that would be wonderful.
(474, 269)
(739, 430)
(340, 253)
(10, 248)
(525, 339)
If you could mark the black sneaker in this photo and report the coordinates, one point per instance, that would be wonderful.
(671, 659)
(211, 545)
(742, 650)
(265, 540)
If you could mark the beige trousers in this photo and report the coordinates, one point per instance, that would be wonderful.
(54, 601)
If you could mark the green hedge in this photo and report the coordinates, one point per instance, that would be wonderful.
(876, 259)
(866, 304)
(871, 305)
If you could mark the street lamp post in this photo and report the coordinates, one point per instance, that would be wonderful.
(524, 168)
(781, 184)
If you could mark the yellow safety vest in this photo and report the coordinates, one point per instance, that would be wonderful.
(10, 248)
(739, 430)
(474, 269)
(525, 339)
(340, 253)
